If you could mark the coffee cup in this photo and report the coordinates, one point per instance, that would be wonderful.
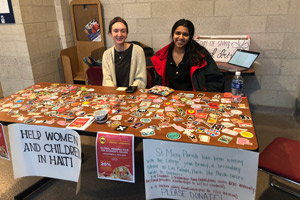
(101, 116)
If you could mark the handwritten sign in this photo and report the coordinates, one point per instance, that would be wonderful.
(114, 154)
(45, 151)
(223, 47)
(3, 147)
(189, 171)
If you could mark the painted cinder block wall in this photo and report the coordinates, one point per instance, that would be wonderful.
(30, 48)
(15, 65)
(273, 27)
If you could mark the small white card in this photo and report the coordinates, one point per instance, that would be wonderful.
(121, 88)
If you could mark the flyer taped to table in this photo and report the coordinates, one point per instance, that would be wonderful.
(175, 170)
(115, 156)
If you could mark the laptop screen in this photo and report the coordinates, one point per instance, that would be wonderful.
(243, 58)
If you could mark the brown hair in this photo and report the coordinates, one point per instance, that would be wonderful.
(115, 20)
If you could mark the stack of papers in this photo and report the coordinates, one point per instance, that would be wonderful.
(161, 90)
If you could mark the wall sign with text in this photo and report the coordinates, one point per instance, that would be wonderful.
(222, 47)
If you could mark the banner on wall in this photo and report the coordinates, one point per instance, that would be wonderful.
(3, 147)
(222, 47)
(45, 151)
(189, 171)
(115, 156)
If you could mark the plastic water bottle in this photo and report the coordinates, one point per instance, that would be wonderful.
(237, 87)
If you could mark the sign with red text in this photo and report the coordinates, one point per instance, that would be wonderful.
(115, 156)
(3, 147)
(45, 151)
(176, 170)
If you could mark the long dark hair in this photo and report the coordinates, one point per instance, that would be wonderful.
(194, 51)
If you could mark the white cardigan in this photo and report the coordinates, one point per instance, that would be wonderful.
(138, 73)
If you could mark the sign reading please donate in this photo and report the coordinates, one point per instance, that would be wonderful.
(45, 151)
(189, 171)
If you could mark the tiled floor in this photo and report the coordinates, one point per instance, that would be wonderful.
(267, 128)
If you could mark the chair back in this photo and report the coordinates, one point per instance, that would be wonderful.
(150, 77)
(94, 75)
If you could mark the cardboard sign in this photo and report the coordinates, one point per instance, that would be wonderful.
(176, 170)
(222, 47)
(3, 147)
(45, 151)
(115, 156)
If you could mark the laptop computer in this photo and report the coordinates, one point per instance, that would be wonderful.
(241, 60)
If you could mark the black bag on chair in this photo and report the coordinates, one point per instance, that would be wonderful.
(91, 62)
(147, 50)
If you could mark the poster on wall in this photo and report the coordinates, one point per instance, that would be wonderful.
(115, 157)
(6, 12)
(45, 151)
(222, 47)
(92, 30)
(185, 171)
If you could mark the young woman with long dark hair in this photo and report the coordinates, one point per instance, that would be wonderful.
(186, 65)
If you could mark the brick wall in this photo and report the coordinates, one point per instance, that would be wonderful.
(29, 49)
(64, 23)
(15, 67)
(42, 35)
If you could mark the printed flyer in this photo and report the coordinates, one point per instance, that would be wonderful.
(3, 147)
(81, 123)
(92, 29)
(115, 156)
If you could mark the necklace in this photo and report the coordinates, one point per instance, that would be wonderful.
(119, 54)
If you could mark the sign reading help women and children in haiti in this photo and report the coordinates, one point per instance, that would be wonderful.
(222, 47)
(188, 171)
(45, 151)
